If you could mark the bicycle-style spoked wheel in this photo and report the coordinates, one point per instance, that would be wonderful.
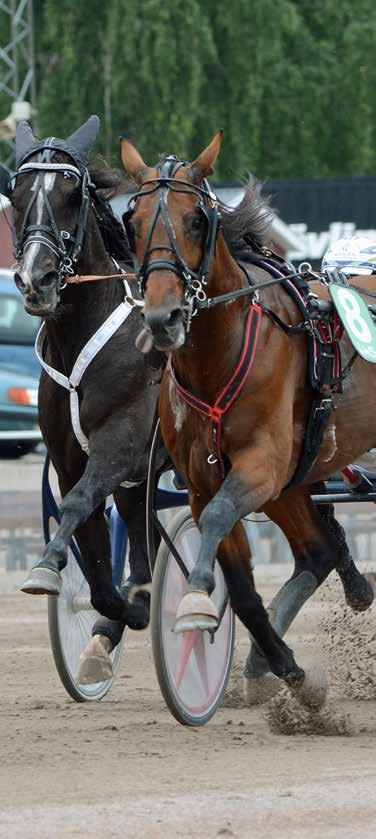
(70, 619)
(192, 667)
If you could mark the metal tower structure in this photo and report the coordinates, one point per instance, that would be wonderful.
(17, 75)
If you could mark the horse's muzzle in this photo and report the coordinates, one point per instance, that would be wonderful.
(166, 327)
(41, 295)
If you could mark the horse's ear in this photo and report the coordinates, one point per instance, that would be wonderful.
(4, 181)
(84, 138)
(24, 139)
(132, 160)
(204, 163)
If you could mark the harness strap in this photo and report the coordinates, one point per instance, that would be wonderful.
(51, 167)
(229, 393)
(86, 356)
(87, 278)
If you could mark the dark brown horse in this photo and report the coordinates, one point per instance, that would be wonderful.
(62, 224)
(185, 256)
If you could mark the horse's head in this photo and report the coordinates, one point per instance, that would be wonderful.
(50, 198)
(173, 221)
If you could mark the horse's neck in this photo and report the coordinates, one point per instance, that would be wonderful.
(84, 307)
(216, 335)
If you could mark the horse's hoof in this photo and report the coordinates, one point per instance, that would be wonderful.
(361, 596)
(312, 692)
(42, 580)
(95, 662)
(260, 689)
(196, 611)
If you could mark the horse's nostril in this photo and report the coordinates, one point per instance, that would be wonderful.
(174, 317)
(19, 282)
(48, 279)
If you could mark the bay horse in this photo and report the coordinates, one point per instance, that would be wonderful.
(63, 224)
(236, 436)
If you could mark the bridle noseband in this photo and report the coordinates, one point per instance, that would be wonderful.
(64, 245)
(193, 281)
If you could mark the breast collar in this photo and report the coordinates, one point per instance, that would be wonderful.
(229, 393)
(86, 356)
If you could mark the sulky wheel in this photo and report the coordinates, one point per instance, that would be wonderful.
(192, 667)
(70, 620)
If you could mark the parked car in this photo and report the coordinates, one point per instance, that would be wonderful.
(19, 372)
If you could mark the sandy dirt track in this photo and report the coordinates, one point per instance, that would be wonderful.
(124, 767)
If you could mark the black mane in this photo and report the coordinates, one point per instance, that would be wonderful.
(248, 222)
(108, 183)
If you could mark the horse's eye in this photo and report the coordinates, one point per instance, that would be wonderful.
(196, 223)
(74, 197)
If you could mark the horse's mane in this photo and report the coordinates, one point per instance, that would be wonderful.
(110, 182)
(249, 221)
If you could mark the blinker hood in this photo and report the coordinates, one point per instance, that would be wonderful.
(77, 146)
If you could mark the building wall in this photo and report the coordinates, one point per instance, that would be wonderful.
(322, 210)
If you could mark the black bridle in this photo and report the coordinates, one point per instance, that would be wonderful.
(64, 244)
(194, 282)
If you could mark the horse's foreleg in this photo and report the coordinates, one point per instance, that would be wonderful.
(196, 611)
(85, 500)
(96, 662)
(131, 504)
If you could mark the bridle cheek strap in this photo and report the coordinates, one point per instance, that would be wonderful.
(230, 392)
(66, 246)
(193, 281)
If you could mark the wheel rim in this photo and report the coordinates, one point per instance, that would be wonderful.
(196, 668)
(76, 618)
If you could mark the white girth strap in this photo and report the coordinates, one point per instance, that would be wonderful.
(89, 351)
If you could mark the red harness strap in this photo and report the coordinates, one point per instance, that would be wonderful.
(231, 390)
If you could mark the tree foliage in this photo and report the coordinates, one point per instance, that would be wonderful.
(292, 82)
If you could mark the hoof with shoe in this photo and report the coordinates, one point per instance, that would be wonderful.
(95, 662)
(42, 580)
(196, 611)
(259, 689)
(312, 691)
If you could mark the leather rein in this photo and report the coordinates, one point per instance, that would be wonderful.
(76, 279)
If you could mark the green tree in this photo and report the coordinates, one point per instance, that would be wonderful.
(291, 81)
(157, 85)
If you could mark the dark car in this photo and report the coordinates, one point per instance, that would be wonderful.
(19, 372)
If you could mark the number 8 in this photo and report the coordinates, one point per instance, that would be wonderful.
(355, 320)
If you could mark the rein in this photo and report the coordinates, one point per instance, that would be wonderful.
(194, 282)
(87, 278)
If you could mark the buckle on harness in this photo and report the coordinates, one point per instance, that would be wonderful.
(325, 405)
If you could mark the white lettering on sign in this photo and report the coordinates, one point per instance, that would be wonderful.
(314, 245)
